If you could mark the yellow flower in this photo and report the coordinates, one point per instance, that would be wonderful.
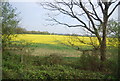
(57, 39)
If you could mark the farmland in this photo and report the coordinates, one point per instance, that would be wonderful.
(44, 45)
(59, 40)
(45, 52)
(48, 44)
(52, 39)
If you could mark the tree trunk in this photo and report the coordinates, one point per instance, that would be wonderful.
(102, 56)
(103, 47)
(103, 42)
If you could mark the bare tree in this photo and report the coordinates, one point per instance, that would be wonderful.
(97, 13)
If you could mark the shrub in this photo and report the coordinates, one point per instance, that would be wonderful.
(10, 56)
(89, 62)
(60, 72)
(111, 63)
(9, 73)
(53, 59)
(50, 60)
(111, 66)
(50, 68)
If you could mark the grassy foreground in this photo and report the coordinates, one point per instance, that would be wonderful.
(42, 68)
(22, 64)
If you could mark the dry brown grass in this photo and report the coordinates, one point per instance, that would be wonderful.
(47, 52)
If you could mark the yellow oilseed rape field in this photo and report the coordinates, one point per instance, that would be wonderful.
(56, 39)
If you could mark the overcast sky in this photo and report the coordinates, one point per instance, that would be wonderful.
(33, 17)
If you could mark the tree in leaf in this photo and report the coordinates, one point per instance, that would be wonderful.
(9, 22)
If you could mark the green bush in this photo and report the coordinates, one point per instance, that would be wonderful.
(49, 60)
(111, 64)
(72, 62)
(11, 65)
(10, 56)
(9, 73)
(89, 62)
(59, 72)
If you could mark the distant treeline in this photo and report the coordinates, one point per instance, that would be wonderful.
(36, 32)
(20, 30)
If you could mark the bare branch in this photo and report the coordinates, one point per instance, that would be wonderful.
(95, 12)
(114, 9)
(100, 4)
(84, 42)
(88, 15)
(70, 13)
(66, 24)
